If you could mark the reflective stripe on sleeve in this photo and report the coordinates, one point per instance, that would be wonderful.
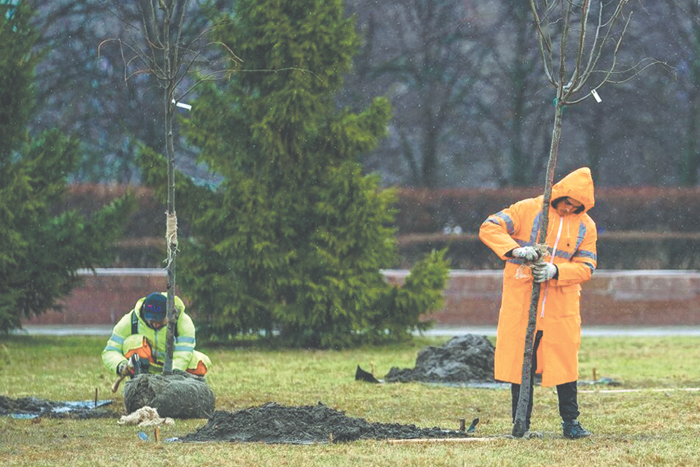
(116, 338)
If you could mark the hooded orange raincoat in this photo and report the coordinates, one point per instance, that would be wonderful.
(572, 239)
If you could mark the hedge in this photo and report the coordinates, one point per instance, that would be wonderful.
(639, 228)
(645, 209)
(616, 250)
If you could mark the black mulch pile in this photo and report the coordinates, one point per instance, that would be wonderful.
(463, 359)
(273, 423)
(32, 407)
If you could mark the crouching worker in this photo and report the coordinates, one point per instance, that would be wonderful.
(138, 341)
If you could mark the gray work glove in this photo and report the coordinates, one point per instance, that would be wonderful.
(542, 272)
(125, 368)
(528, 253)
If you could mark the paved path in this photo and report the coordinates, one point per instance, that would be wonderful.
(65, 330)
(590, 331)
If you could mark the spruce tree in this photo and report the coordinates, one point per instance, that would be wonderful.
(39, 251)
(294, 237)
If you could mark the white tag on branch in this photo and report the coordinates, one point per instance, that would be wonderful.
(182, 105)
(596, 96)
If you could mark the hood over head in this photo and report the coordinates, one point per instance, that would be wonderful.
(577, 185)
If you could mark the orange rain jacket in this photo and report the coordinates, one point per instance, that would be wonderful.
(573, 242)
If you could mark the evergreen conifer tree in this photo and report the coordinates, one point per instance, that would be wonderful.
(39, 252)
(295, 236)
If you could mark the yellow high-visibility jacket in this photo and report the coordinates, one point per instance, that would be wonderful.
(184, 355)
(573, 240)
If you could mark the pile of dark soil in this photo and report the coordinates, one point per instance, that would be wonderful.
(31, 407)
(273, 423)
(463, 359)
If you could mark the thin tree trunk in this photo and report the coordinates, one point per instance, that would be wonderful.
(519, 427)
(171, 234)
(171, 221)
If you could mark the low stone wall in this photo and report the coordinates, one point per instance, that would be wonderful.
(643, 298)
(637, 298)
(104, 296)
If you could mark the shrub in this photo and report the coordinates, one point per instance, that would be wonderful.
(39, 252)
(294, 239)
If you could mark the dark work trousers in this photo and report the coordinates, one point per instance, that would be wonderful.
(568, 396)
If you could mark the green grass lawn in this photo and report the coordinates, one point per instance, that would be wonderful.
(646, 427)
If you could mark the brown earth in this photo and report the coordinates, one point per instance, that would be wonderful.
(463, 359)
(311, 424)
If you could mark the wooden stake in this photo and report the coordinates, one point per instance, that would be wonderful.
(95, 397)
(437, 440)
(620, 391)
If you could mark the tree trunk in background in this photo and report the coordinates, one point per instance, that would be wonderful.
(594, 140)
(689, 162)
(690, 156)
(520, 167)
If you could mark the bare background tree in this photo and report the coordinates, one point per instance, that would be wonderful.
(512, 100)
(684, 35)
(87, 95)
(497, 132)
(425, 55)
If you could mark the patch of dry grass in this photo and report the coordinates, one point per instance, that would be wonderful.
(647, 427)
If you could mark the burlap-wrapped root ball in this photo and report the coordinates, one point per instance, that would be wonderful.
(179, 395)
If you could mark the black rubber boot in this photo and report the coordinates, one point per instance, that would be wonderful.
(574, 430)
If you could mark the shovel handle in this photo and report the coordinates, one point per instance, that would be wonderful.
(116, 384)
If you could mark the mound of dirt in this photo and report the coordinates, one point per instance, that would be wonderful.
(32, 407)
(312, 424)
(463, 359)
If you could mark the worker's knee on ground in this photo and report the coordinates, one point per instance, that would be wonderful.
(137, 344)
(199, 364)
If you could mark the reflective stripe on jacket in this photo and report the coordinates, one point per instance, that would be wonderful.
(185, 341)
(573, 241)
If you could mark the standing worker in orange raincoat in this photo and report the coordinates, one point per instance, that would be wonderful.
(571, 240)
